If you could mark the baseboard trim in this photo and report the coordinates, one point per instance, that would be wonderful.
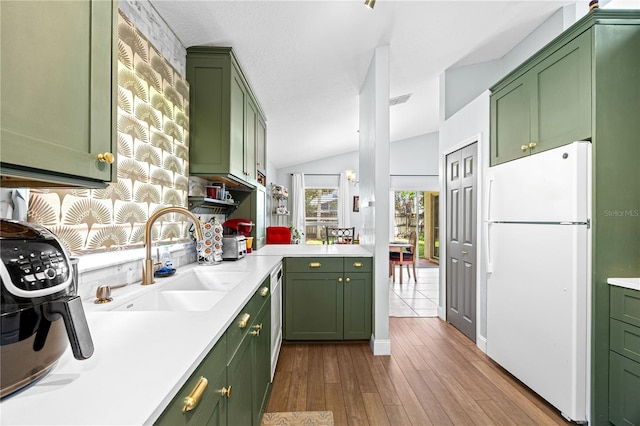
(380, 347)
(481, 343)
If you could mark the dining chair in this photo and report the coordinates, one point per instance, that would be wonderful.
(339, 235)
(407, 256)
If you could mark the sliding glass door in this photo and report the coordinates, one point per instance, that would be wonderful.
(418, 211)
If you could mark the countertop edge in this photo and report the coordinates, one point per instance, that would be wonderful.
(630, 283)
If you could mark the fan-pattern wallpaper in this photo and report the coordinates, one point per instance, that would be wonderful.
(152, 160)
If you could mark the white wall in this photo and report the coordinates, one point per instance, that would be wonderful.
(374, 188)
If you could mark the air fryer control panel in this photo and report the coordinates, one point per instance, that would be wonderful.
(34, 265)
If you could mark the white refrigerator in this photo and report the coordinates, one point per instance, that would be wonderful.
(539, 273)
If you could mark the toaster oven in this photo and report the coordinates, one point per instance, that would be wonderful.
(234, 247)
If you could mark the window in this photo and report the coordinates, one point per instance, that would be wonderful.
(321, 209)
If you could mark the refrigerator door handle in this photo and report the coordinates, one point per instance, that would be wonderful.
(487, 206)
(487, 245)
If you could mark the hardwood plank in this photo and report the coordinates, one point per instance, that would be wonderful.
(416, 402)
(466, 401)
(315, 380)
(330, 363)
(361, 368)
(298, 389)
(521, 407)
(335, 403)
(397, 415)
(447, 401)
(286, 358)
(279, 392)
(496, 414)
(354, 405)
(375, 409)
(386, 389)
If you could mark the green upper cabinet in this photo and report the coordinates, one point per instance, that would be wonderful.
(261, 150)
(225, 116)
(547, 106)
(57, 80)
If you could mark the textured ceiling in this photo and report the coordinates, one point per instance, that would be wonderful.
(306, 60)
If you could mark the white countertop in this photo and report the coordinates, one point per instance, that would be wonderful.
(142, 359)
(303, 250)
(631, 283)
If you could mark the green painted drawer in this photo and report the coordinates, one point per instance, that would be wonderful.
(313, 264)
(625, 305)
(624, 388)
(625, 339)
(213, 368)
(239, 327)
(357, 264)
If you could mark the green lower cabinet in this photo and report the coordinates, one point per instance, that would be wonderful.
(238, 371)
(331, 304)
(262, 360)
(212, 405)
(240, 376)
(624, 391)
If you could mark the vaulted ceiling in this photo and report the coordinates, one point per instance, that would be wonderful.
(306, 60)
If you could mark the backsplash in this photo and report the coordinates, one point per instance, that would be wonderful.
(152, 160)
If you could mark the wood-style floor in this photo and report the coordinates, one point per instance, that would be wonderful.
(434, 376)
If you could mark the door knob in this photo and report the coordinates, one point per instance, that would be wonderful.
(463, 252)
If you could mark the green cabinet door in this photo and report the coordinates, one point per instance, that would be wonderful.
(624, 389)
(57, 81)
(546, 106)
(357, 305)
(236, 144)
(262, 359)
(240, 377)
(225, 116)
(211, 408)
(561, 111)
(251, 132)
(314, 306)
(261, 147)
(510, 122)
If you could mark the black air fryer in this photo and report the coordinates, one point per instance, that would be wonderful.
(40, 308)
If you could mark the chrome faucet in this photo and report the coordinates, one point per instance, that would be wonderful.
(147, 269)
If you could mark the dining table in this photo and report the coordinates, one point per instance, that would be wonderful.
(398, 246)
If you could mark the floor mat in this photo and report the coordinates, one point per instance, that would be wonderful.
(295, 418)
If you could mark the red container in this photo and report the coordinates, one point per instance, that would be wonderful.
(238, 227)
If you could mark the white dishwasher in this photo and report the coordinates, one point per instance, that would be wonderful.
(276, 316)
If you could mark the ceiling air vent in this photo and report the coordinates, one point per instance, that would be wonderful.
(399, 99)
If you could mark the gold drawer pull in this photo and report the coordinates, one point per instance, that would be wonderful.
(106, 157)
(264, 291)
(357, 265)
(314, 265)
(191, 401)
(244, 320)
(226, 392)
(258, 329)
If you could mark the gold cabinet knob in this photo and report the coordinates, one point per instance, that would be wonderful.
(244, 320)
(348, 280)
(524, 147)
(264, 291)
(226, 392)
(532, 145)
(255, 333)
(191, 401)
(106, 157)
(340, 279)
